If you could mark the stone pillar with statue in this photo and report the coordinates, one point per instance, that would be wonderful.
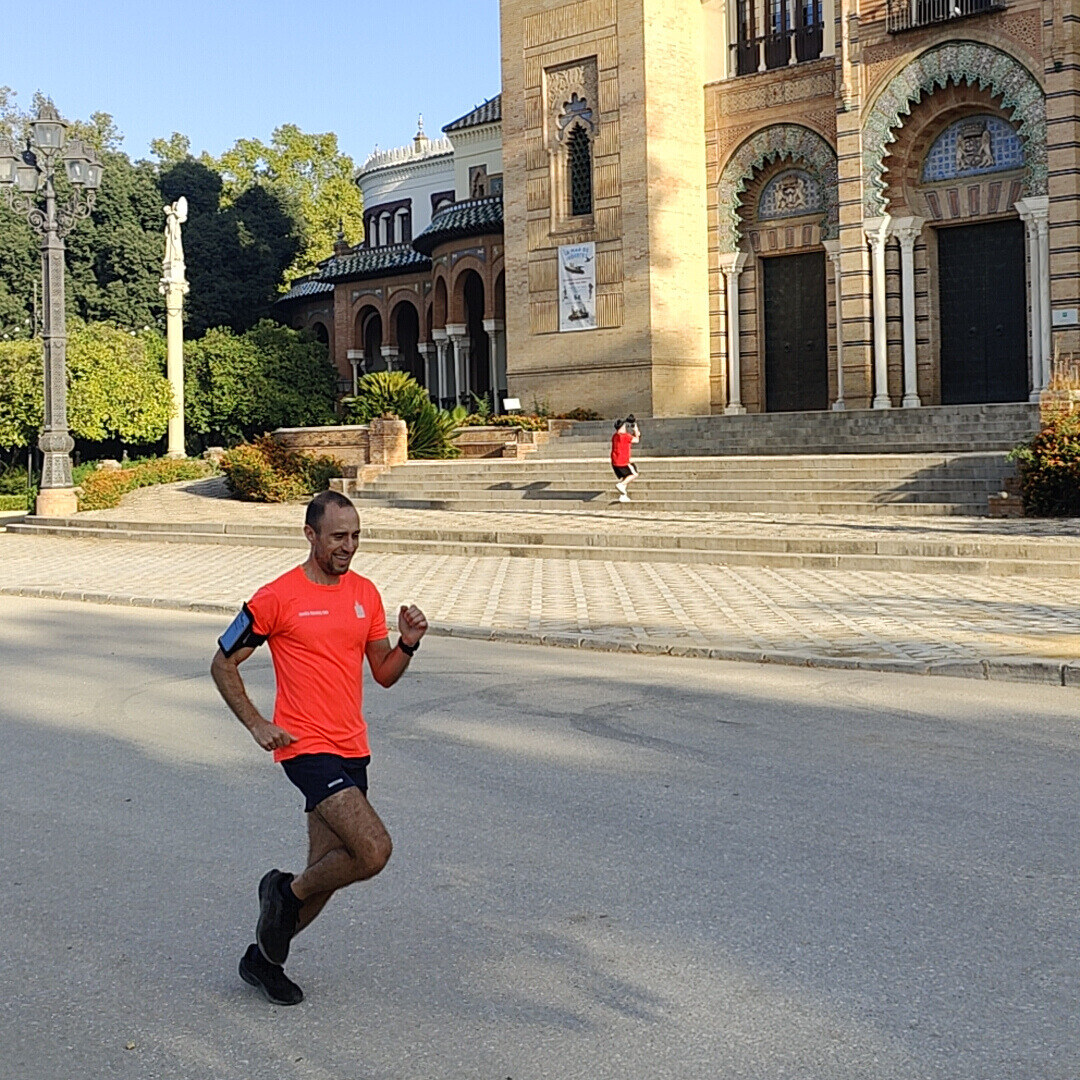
(174, 286)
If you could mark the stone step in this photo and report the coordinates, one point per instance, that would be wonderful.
(940, 428)
(1022, 556)
(645, 484)
(684, 506)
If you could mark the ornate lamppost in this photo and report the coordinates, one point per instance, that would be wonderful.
(27, 177)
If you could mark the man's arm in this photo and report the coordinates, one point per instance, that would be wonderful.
(226, 675)
(388, 662)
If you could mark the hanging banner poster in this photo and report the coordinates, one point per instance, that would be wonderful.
(577, 287)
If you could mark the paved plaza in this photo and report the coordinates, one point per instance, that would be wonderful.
(1003, 627)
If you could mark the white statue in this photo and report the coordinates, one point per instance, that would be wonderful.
(175, 215)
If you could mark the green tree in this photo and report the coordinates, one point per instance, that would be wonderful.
(236, 254)
(171, 151)
(114, 258)
(240, 385)
(115, 387)
(310, 173)
(21, 392)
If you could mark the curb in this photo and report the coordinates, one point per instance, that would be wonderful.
(994, 669)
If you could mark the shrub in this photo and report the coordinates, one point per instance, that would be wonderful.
(263, 471)
(236, 385)
(1050, 469)
(13, 480)
(104, 488)
(397, 392)
(580, 414)
(13, 502)
(527, 423)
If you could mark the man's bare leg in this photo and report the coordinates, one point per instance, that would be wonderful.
(321, 840)
(348, 843)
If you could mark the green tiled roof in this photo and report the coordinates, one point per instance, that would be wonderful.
(304, 289)
(374, 262)
(488, 113)
(475, 217)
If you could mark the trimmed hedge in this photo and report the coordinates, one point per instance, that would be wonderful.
(1050, 469)
(13, 502)
(526, 423)
(104, 488)
(263, 471)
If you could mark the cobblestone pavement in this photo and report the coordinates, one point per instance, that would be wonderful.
(207, 500)
(883, 619)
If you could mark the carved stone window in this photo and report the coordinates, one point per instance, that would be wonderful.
(478, 182)
(571, 125)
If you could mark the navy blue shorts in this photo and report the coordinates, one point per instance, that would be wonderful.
(320, 775)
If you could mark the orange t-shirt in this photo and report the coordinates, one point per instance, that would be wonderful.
(317, 636)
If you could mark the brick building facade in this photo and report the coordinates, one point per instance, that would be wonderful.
(769, 205)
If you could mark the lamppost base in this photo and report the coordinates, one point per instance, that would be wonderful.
(56, 502)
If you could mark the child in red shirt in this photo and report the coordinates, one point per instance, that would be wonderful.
(626, 433)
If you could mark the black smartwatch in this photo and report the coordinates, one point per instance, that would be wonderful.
(408, 650)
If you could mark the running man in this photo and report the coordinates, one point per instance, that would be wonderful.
(320, 620)
(626, 433)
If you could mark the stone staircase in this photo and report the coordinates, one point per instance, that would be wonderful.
(838, 484)
(945, 429)
(895, 546)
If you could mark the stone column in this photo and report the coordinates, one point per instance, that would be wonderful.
(832, 249)
(355, 358)
(877, 232)
(907, 231)
(389, 354)
(427, 353)
(174, 361)
(388, 441)
(496, 332)
(441, 347)
(760, 22)
(1034, 212)
(732, 264)
(828, 16)
(459, 339)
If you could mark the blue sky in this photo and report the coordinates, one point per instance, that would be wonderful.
(219, 71)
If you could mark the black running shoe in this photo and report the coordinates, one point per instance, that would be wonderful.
(279, 911)
(269, 979)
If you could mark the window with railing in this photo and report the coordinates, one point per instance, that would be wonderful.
(909, 14)
(776, 33)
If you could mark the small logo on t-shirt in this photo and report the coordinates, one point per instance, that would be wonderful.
(334, 783)
(306, 614)
(359, 610)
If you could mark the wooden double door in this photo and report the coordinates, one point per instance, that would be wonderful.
(796, 333)
(983, 309)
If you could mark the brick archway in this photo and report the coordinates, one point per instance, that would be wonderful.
(969, 62)
(778, 142)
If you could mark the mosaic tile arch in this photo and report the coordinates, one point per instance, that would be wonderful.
(778, 142)
(972, 63)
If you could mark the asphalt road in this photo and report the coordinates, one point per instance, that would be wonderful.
(604, 867)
